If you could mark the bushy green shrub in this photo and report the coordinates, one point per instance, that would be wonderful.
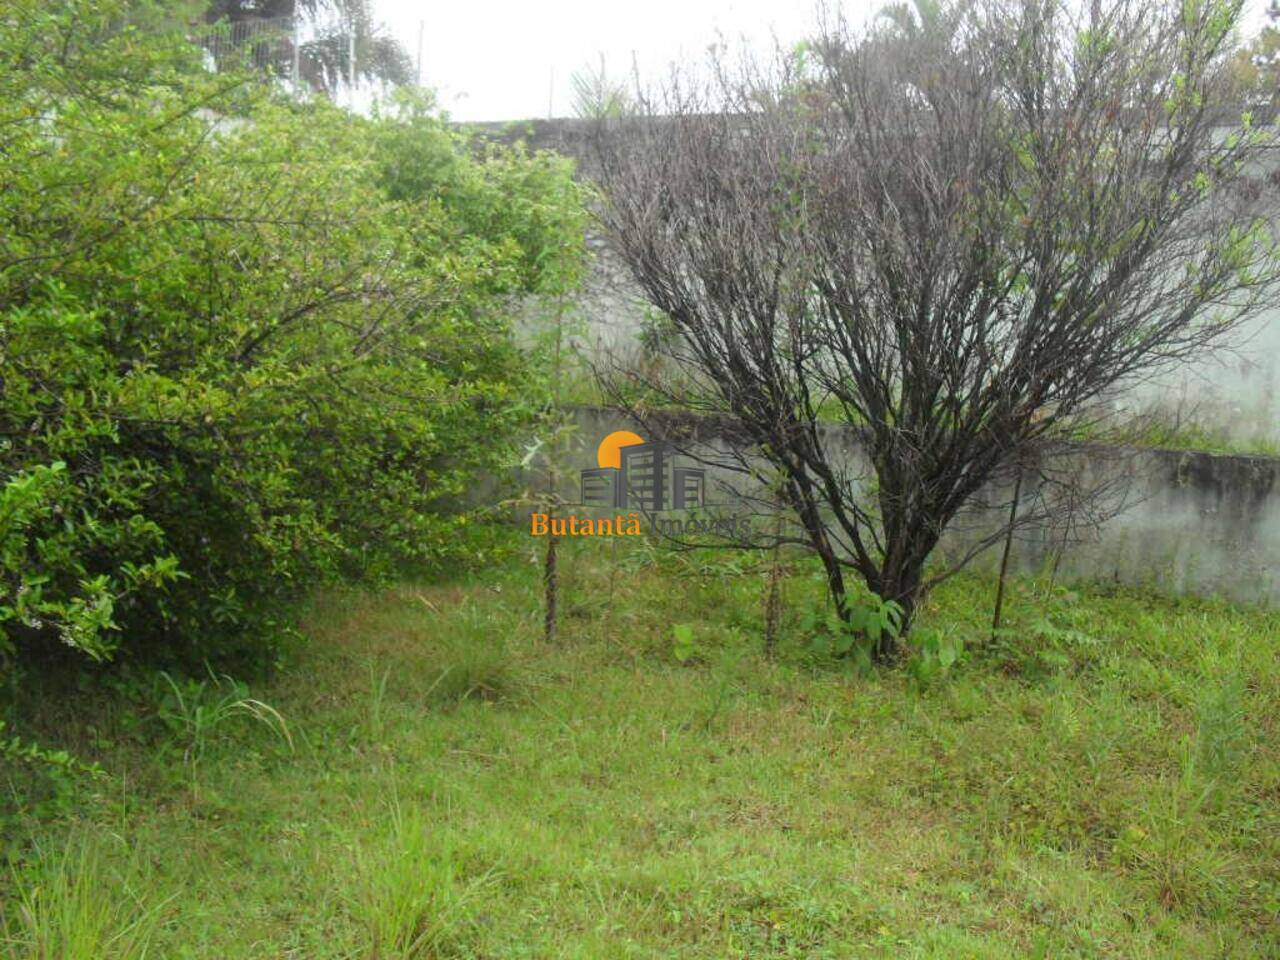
(247, 343)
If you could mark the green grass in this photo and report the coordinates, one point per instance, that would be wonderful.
(67, 905)
(1194, 437)
(1103, 781)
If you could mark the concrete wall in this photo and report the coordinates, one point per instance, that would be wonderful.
(1235, 393)
(1193, 523)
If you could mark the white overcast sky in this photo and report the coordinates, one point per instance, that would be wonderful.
(503, 60)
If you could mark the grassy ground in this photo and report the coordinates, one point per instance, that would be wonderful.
(1102, 782)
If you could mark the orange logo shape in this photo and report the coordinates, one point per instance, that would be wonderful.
(609, 453)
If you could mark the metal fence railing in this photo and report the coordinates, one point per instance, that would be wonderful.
(267, 43)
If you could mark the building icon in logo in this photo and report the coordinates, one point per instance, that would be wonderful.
(635, 474)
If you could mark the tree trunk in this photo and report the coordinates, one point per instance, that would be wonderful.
(773, 598)
(551, 584)
(902, 582)
(1004, 557)
(801, 500)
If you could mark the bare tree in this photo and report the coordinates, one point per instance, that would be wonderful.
(959, 238)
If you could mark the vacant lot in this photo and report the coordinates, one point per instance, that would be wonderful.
(1102, 781)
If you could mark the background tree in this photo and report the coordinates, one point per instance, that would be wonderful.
(596, 95)
(957, 238)
(324, 58)
(1257, 64)
(918, 16)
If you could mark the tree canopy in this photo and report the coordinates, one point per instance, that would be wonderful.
(956, 232)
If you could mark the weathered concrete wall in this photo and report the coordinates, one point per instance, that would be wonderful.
(1193, 523)
(1234, 393)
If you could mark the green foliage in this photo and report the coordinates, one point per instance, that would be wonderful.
(410, 894)
(62, 908)
(250, 345)
(474, 663)
(1221, 740)
(1255, 65)
(872, 622)
(933, 652)
(596, 96)
(81, 616)
(41, 782)
(519, 213)
(1046, 644)
(192, 711)
(683, 646)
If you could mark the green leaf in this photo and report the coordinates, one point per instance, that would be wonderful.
(683, 647)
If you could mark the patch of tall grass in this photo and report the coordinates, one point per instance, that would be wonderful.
(68, 904)
(409, 893)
